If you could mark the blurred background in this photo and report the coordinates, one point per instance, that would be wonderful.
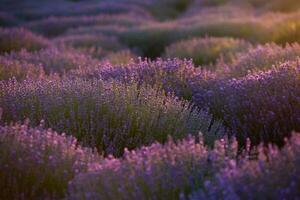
(118, 30)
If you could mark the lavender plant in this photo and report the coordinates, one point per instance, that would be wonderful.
(263, 106)
(275, 175)
(169, 171)
(37, 163)
(15, 39)
(175, 170)
(171, 75)
(109, 116)
(263, 57)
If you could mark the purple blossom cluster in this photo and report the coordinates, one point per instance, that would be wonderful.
(275, 175)
(37, 163)
(188, 170)
(263, 106)
(263, 57)
(173, 75)
(170, 171)
(109, 116)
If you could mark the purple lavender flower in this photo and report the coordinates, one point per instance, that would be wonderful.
(38, 163)
(106, 115)
(263, 106)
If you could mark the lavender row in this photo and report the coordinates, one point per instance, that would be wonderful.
(275, 175)
(261, 105)
(188, 170)
(172, 75)
(261, 58)
(41, 164)
(264, 106)
(106, 115)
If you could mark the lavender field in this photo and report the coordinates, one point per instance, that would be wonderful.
(150, 99)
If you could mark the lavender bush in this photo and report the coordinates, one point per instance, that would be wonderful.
(109, 116)
(169, 171)
(275, 175)
(15, 39)
(37, 163)
(263, 57)
(174, 170)
(263, 106)
(174, 75)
